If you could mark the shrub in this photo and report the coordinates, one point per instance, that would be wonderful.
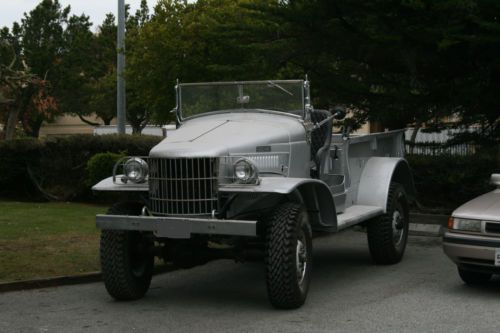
(447, 181)
(56, 167)
(15, 157)
(101, 166)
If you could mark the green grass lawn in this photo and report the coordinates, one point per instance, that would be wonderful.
(47, 239)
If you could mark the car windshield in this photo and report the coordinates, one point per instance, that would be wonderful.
(198, 98)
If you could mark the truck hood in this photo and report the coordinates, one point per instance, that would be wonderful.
(485, 207)
(229, 133)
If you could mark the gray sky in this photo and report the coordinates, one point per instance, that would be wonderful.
(13, 10)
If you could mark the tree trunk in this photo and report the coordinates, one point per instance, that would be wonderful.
(33, 128)
(136, 128)
(106, 121)
(10, 128)
(36, 128)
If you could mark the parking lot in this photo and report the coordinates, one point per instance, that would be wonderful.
(348, 294)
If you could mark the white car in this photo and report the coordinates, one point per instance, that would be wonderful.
(473, 237)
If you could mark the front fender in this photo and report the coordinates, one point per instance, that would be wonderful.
(109, 185)
(313, 193)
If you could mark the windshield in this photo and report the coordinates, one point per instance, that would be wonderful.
(199, 98)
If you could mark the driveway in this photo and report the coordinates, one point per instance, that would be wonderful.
(348, 294)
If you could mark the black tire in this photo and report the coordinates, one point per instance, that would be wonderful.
(288, 256)
(472, 277)
(388, 233)
(126, 258)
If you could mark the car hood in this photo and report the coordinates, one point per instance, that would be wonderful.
(485, 207)
(229, 133)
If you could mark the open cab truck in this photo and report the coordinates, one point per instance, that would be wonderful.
(252, 169)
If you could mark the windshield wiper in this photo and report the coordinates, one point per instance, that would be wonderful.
(279, 87)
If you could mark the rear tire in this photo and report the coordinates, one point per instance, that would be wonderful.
(388, 233)
(473, 278)
(288, 256)
(126, 258)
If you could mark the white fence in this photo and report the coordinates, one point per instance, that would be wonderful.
(436, 143)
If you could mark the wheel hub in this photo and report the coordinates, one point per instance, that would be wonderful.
(301, 260)
(397, 227)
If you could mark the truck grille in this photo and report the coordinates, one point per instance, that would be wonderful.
(183, 186)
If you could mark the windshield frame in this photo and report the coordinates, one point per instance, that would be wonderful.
(304, 97)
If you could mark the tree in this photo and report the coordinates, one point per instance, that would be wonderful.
(100, 88)
(396, 62)
(102, 97)
(203, 41)
(137, 109)
(42, 42)
(77, 66)
(20, 90)
(61, 48)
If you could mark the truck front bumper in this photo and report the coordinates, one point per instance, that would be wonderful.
(177, 227)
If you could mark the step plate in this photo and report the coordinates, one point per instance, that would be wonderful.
(356, 214)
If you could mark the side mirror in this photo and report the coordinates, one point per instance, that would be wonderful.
(338, 112)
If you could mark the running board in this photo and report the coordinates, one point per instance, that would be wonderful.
(356, 214)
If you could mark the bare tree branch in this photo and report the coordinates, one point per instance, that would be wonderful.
(88, 122)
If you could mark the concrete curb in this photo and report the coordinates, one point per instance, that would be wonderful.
(429, 230)
(50, 282)
(435, 219)
(59, 281)
(432, 225)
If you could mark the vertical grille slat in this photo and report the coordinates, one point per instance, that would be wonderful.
(176, 194)
(199, 182)
(193, 204)
(183, 186)
(205, 208)
(163, 186)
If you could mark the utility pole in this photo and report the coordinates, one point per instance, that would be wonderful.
(120, 91)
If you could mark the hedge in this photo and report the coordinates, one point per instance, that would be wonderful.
(56, 167)
(447, 181)
(59, 168)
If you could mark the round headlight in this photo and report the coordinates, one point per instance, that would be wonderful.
(136, 170)
(245, 171)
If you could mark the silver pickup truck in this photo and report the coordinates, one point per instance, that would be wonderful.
(252, 171)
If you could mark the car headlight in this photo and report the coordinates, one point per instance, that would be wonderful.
(136, 170)
(245, 172)
(460, 224)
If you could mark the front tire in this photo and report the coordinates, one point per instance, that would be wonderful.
(473, 278)
(288, 256)
(388, 233)
(126, 258)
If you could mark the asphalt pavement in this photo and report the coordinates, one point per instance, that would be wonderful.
(348, 294)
